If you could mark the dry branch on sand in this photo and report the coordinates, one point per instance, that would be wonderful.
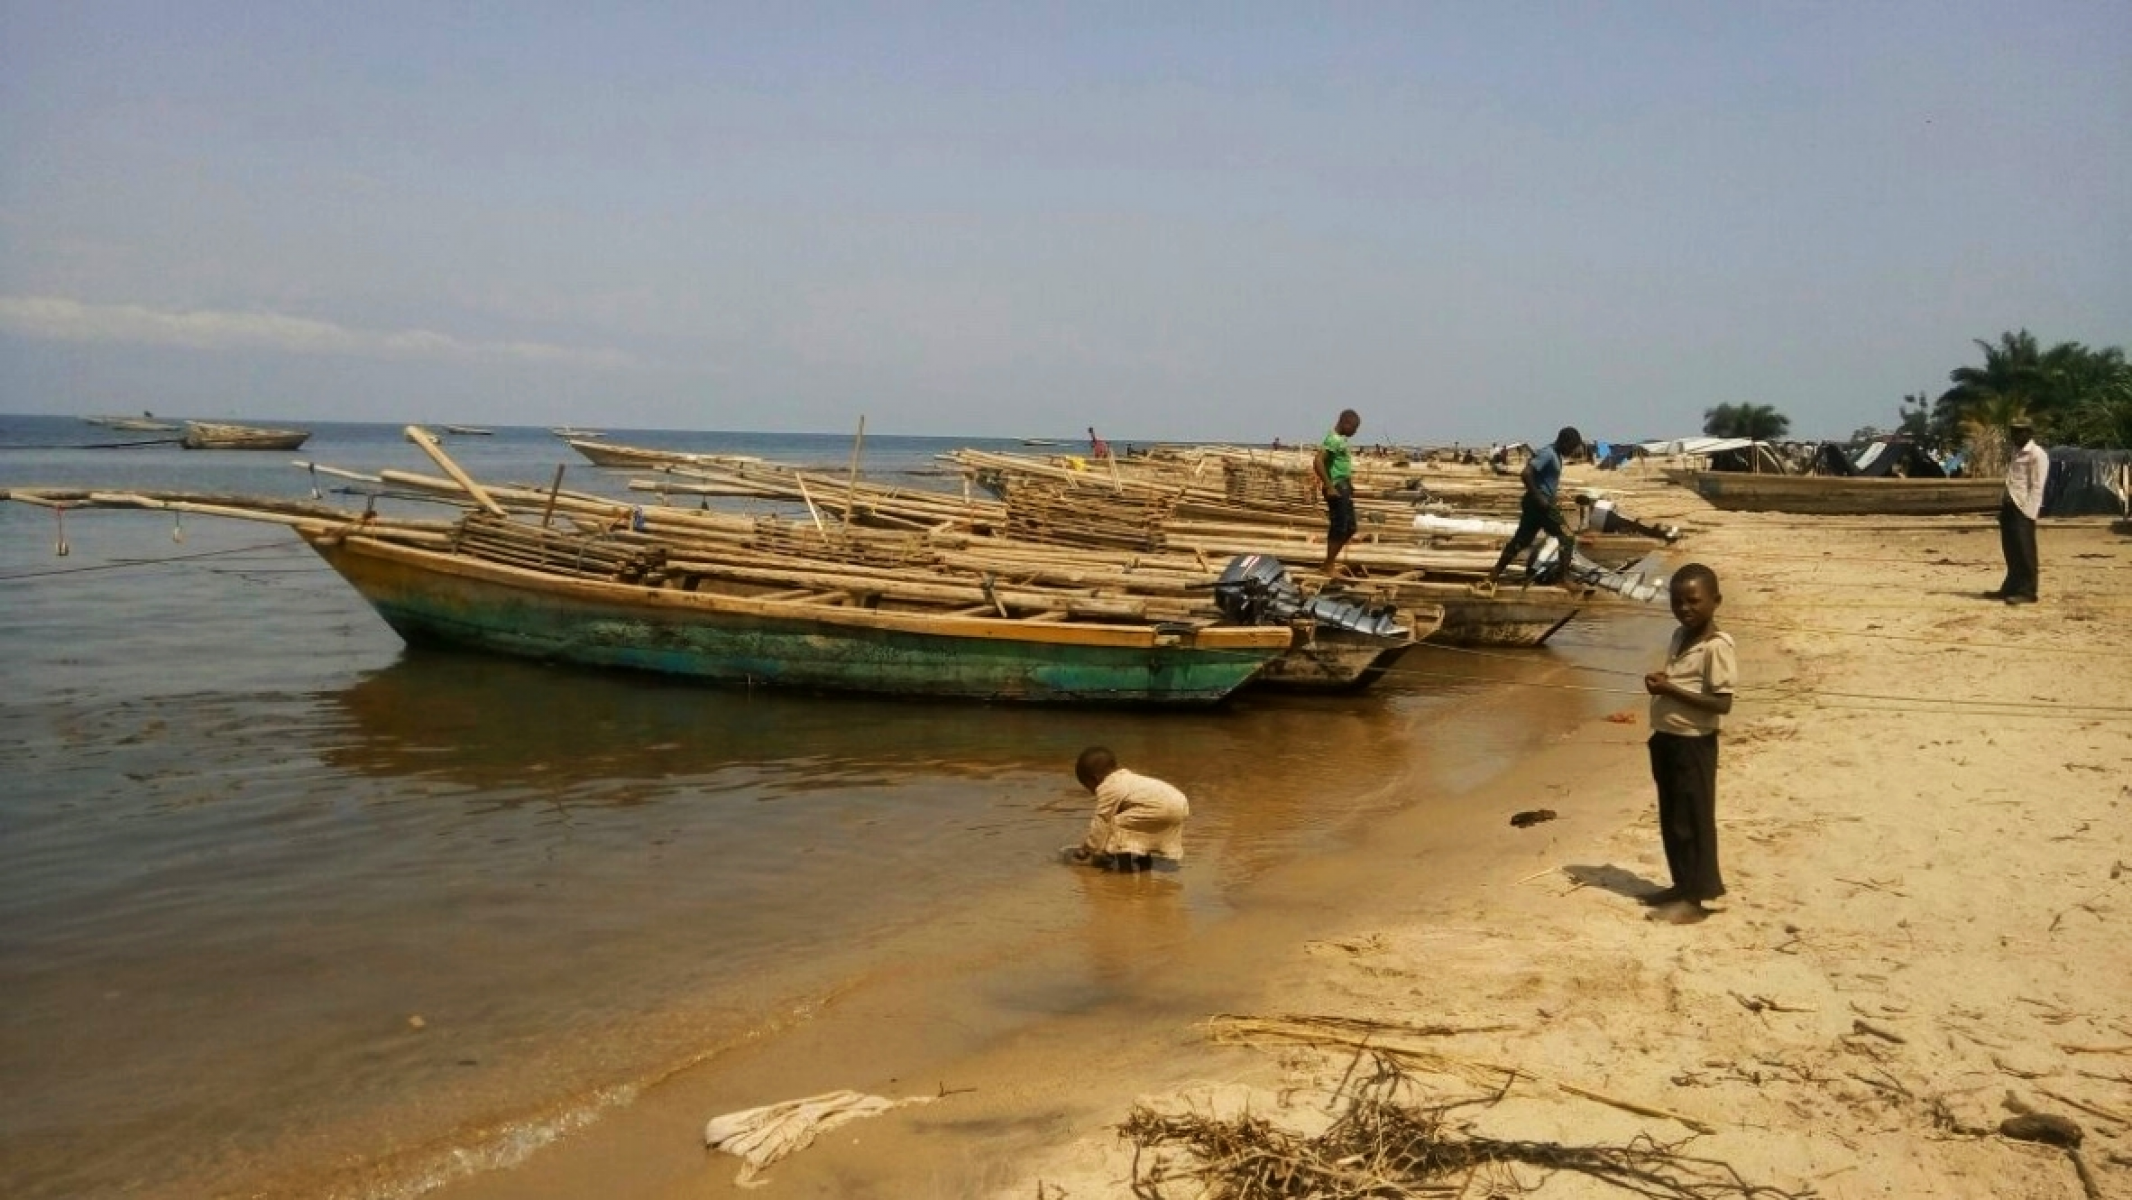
(1396, 1041)
(1381, 1145)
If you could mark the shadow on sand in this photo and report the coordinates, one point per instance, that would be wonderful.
(1614, 879)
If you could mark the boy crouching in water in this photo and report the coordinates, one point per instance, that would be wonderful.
(1138, 819)
(1689, 700)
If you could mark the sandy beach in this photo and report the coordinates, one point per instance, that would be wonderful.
(1923, 813)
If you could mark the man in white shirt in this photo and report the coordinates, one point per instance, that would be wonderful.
(2026, 472)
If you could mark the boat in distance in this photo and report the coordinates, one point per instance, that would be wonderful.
(615, 454)
(1840, 495)
(211, 435)
(145, 423)
(434, 597)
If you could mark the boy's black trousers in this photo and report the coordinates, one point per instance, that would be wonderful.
(1685, 769)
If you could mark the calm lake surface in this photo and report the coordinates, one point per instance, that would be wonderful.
(284, 904)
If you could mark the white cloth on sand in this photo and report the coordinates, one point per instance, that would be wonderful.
(761, 1136)
(1481, 526)
(1137, 814)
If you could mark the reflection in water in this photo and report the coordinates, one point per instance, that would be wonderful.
(1135, 920)
(497, 723)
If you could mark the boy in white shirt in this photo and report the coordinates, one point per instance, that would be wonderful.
(1689, 700)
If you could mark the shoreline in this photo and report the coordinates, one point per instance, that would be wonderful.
(1027, 1079)
(1886, 869)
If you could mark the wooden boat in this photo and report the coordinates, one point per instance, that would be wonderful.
(1508, 618)
(817, 641)
(571, 431)
(614, 454)
(140, 424)
(469, 431)
(1836, 495)
(1410, 578)
(1339, 660)
(208, 435)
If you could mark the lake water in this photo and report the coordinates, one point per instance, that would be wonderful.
(287, 908)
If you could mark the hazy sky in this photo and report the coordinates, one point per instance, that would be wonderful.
(1467, 220)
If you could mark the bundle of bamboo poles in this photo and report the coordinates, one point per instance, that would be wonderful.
(850, 501)
(1257, 491)
(598, 555)
(841, 543)
(1048, 510)
(1253, 481)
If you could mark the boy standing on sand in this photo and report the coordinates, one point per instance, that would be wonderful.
(1137, 818)
(1334, 466)
(1689, 700)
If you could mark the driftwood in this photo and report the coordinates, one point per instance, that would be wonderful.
(1383, 1144)
(1870, 1029)
(1387, 1040)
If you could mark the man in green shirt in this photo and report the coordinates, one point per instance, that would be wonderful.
(1335, 469)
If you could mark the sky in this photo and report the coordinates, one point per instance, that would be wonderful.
(1468, 221)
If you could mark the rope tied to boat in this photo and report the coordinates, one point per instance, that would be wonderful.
(60, 548)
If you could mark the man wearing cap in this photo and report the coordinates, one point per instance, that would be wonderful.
(2025, 474)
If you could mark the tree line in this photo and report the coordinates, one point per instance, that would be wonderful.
(2073, 394)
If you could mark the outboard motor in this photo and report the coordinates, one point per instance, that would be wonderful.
(1254, 589)
(1642, 580)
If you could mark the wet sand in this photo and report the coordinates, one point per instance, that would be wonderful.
(1924, 820)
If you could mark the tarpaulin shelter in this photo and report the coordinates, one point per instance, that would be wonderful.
(1886, 457)
(1724, 454)
(2088, 483)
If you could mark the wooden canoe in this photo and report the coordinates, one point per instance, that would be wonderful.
(429, 596)
(133, 424)
(614, 454)
(1330, 659)
(209, 435)
(1835, 495)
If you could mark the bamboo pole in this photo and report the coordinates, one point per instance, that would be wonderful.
(812, 511)
(421, 437)
(851, 482)
(547, 514)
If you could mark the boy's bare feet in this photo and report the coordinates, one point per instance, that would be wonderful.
(1680, 912)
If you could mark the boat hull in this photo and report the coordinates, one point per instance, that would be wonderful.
(1332, 661)
(615, 455)
(1500, 620)
(1830, 495)
(203, 436)
(435, 598)
(1514, 617)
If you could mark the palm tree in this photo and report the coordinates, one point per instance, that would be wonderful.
(1757, 421)
(2094, 404)
(2074, 394)
(2012, 373)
